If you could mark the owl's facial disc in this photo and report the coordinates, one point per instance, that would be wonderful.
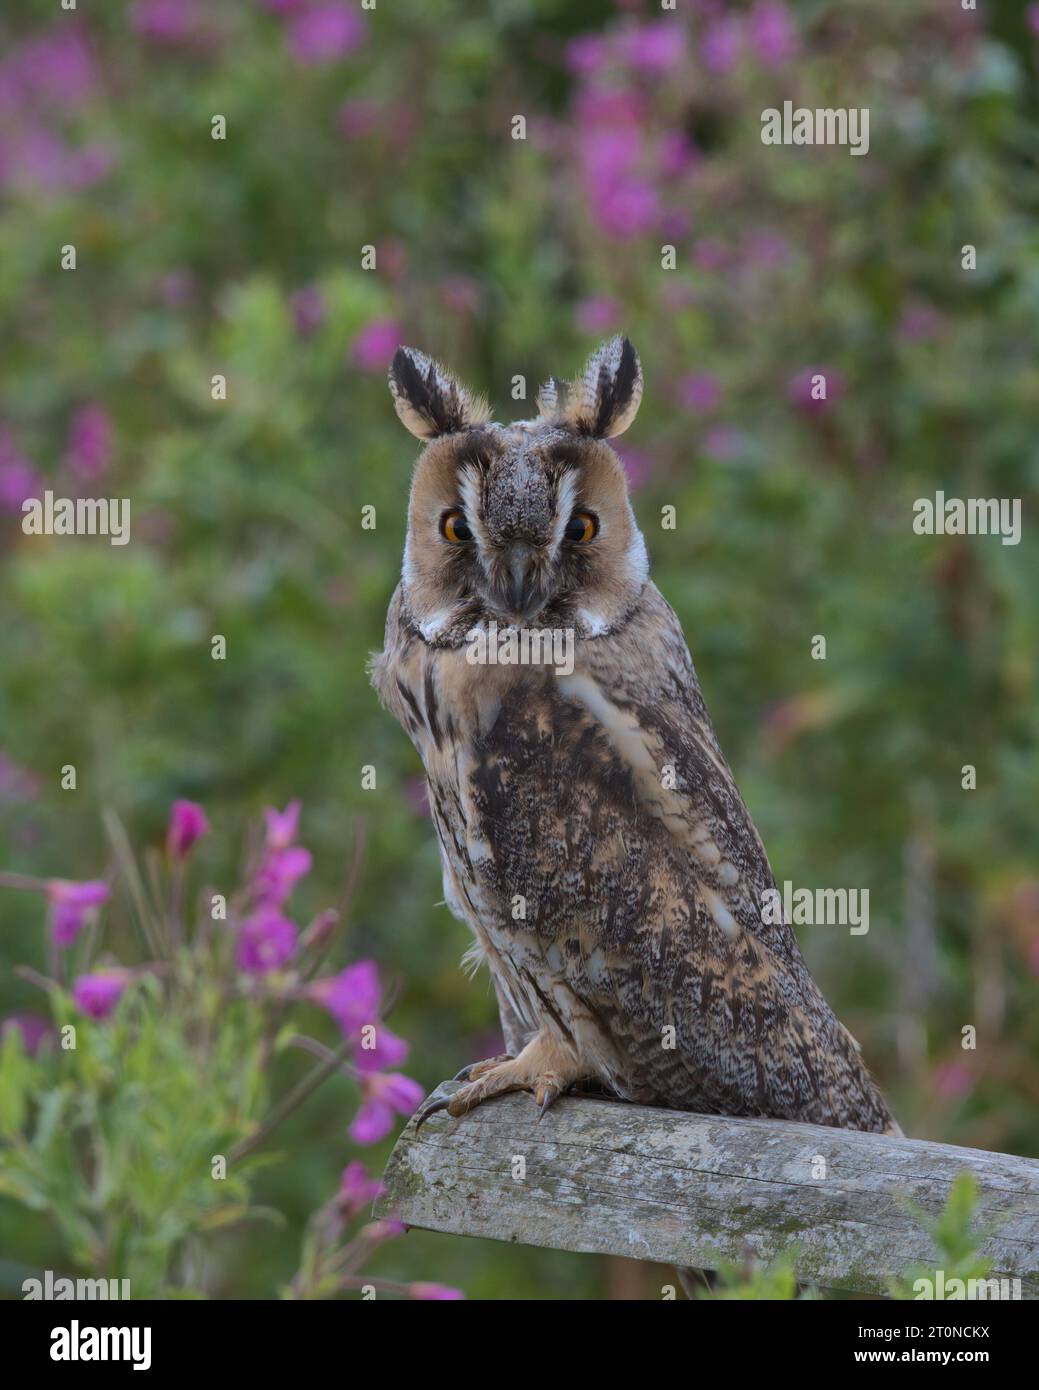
(525, 522)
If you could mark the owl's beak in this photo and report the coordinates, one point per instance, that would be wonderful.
(519, 587)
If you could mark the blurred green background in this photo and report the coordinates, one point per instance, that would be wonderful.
(392, 129)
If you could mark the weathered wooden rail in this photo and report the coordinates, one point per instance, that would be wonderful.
(599, 1176)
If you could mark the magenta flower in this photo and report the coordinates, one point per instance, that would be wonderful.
(677, 154)
(357, 118)
(17, 783)
(597, 314)
(18, 479)
(723, 442)
(353, 997)
(374, 346)
(90, 442)
(70, 903)
(325, 34)
(699, 391)
(57, 68)
(637, 464)
(380, 1050)
(357, 1189)
(919, 322)
(815, 388)
(98, 994)
(308, 310)
(188, 823)
(437, 1292)
(283, 826)
(279, 873)
(266, 941)
(1032, 15)
(167, 21)
(586, 54)
(385, 1094)
(771, 31)
(767, 248)
(953, 1080)
(653, 48)
(720, 44)
(34, 1028)
(626, 208)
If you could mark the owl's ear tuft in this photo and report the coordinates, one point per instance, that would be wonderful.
(429, 401)
(604, 399)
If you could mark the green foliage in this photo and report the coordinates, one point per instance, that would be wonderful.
(957, 1240)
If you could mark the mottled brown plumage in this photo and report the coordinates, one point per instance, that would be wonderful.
(592, 835)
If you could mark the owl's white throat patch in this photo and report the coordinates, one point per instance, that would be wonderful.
(491, 645)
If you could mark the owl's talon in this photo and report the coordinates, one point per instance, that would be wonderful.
(474, 1069)
(427, 1110)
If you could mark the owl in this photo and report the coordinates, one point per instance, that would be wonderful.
(591, 833)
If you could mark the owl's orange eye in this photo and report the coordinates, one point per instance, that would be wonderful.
(582, 528)
(455, 528)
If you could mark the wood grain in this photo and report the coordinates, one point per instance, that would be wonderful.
(695, 1190)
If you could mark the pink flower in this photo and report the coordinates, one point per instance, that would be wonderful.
(357, 1189)
(70, 903)
(720, 44)
(57, 67)
(166, 21)
(188, 823)
(676, 154)
(699, 391)
(279, 873)
(90, 442)
(352, 997)
(586, 54)
(723, 442)
(18, 479)
(358, 118)
(325, 33)
(380, 1050)
(282, 826)
(385, 1094)
(597, 314)
(266, 941)
(637, 464)
(17, 783)
(34, 1028)
(815, 388)
(767, 248)
(953, 1080)
(98, 994)
(919, 322)
(374, 346)
(625, 208)
(1032, 15)
(438, 1292)
(308, 310)
(771, 32)
(653, 48)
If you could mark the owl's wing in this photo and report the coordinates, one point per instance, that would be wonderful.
(697, 953)
(639, 685)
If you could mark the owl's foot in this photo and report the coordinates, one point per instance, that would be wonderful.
(545, 1067)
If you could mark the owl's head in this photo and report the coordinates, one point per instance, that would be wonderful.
(527, 523)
